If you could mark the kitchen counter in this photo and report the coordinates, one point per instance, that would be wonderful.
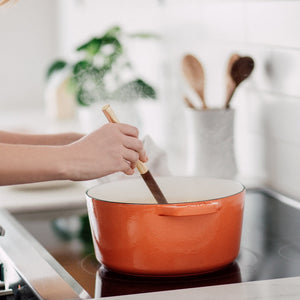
(283, 289)
(43, 196)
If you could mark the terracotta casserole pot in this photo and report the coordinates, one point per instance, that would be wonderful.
(198, 231)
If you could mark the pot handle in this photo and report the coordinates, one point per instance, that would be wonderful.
(195, 209)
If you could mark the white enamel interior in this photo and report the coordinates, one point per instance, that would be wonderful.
(175, 189)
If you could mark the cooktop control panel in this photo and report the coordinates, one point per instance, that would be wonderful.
(12, 286)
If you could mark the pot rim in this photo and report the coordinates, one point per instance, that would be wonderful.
(243, 189)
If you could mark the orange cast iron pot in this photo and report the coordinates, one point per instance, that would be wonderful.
(198, 231)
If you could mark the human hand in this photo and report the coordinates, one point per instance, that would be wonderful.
(111, 148)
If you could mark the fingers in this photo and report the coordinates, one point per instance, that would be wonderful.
(131, 140)
(127, 168)
(130, 158)
(130, 155)
(136, 145)
(128, 130)
(131, 150)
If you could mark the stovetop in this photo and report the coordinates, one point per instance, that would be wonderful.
(270, 248)
(28, 271)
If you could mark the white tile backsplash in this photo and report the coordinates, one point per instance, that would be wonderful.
(267, 129)
(277, 70)
(283, 165)
(250, 155)
(273, 23)
(202, 20)
(282, 119)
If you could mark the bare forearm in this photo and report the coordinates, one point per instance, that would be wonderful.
(38, 139)
(26, 163)
(111, 148)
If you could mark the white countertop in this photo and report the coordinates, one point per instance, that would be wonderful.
(43, 196)
(283, 289)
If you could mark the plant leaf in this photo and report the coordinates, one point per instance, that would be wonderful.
(113, 31)
(91, 47)
(144, 35)
(80, 97)
(54, 67)
(111, 40)
(89, 86)
(81, 66)
(134, 90)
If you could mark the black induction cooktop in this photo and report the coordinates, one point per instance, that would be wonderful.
(270, 248)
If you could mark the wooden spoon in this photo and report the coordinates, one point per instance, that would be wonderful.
(144, 171)
(194, 74)
(188, 102)
(230, 84)
(239, 68)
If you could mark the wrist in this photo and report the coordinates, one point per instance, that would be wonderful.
(63, 162)
(70, 137)
(68, 163)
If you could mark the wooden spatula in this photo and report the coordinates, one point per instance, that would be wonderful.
(143, 169)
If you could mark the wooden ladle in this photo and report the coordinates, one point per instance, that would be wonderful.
(194, 74)
(143, 169)
(239, 68)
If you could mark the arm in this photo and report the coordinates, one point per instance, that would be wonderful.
(27, 163)
(39, 139)
(111, 148)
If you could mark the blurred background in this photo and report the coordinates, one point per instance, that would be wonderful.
(34, 34)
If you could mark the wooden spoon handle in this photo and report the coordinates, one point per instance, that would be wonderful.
(112, 118)
(230, 84)
(189, 103)
(229, 94)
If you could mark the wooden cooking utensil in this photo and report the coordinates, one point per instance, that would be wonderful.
(142, 168)
(189, 103)
(194, 74)
(239, 68)
(230, 84)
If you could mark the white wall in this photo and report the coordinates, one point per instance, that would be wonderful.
(28, 43)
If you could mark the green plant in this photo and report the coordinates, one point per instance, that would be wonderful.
(98, 75)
